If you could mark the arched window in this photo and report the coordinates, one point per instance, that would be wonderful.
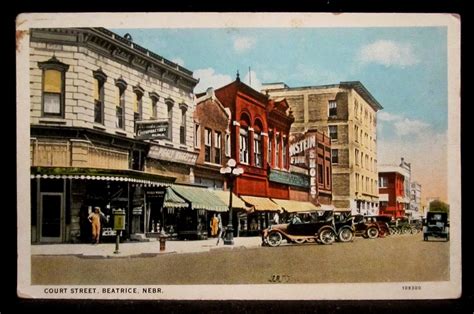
(138, 104)
(99, 81)
(244, 139)
(170, 104)
(154, 105)
(121, 86)
(53, 87)
(182, 125)
(257, 144)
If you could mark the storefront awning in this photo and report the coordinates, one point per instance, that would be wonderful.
(236, 201)
(132, 176)
(383, 197)
(295, 206)
(261, 203)
(328, 207)
(200, 198)
(172, 200)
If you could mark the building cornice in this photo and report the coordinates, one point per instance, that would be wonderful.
(117, 48)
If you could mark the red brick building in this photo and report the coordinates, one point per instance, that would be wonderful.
(392, 191)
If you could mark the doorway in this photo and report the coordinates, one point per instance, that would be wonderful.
(51, 217)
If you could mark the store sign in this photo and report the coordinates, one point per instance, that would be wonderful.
(295, 179)
(312, 173)
(171, 154)
(151, 129)
(301, 146)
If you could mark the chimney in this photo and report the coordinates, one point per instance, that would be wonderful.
(210, 92)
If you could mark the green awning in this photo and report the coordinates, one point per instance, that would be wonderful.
(237, 203)
(200, 198)
(172, 200)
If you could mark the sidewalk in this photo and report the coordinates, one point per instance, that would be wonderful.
(141, 249)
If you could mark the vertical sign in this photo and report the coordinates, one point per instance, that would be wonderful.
(312, 173)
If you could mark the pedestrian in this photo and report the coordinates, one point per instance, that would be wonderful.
(95, 218)
(221, 228)
(214, 225)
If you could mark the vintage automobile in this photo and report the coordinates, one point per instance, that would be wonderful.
(365, 228)
(319, 228)
(382, 222)
(436, 225)
(344, 226)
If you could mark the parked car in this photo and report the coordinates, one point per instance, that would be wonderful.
(344, 226)
(318, 228)
(365, 228)
(436, 225)
(382, 222)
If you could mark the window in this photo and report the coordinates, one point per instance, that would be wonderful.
(277, 152)
(99, 81)
(270, 148)
(320, 174)
(227, 144)
(327, 175)
(137, 103)
(383, 182)
(332, 108)
(367, 184)
(357, 156)
(371, 164)
(197, 135)
(217, 147)
(170, 105)
(154, 105)
(335, 156)
(356, 132)
(284, 153)
(366, 161)
(244, 146)
(257, 149)
(357, 181)
(53, 87)
(121, 86)
(356, 108)
(182, 125)
(362, 183)
(207, 144)
(333, 132)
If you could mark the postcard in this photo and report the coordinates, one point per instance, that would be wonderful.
(238, 156)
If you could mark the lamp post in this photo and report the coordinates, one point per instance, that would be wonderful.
(230, 172)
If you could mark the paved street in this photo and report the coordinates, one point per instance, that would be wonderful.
(395, 258)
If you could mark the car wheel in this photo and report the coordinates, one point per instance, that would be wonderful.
(299, 241)
(346, 235)
(274, 239)
(326, 236)
(372, 233)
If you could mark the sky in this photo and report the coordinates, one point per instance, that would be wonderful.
(404, 68)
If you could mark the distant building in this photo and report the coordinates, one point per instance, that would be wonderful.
(347, 114)
(392, 195)
(407, 167)
(415, 199)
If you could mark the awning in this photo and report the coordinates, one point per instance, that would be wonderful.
(236, 201)
(328, 207)
(200, 198)
(295, 206)
(173, 201)
(383, 197)
(132, 176)
(261, 203)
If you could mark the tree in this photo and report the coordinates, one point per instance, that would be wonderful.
(439, 206)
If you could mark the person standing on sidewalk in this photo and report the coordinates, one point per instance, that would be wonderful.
(214, 225)
(94, 219)
(221, 228)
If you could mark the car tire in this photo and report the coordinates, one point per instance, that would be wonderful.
(274, 239)
(372, 232)
(327, 236)
(346, 235)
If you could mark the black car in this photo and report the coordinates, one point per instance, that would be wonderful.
(436, 225)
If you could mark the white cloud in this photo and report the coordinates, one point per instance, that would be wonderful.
(403, 126)
(242, 44)
(388, 53)
(209, 78)
(255, 82)
(178, 61)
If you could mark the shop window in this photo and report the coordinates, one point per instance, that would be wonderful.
(207, 144)
(53, 88)
(121, 86)
(99, 81)
(217, 147)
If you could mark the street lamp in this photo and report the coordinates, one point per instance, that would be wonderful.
(230, 172)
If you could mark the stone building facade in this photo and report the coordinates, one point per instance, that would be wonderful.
(347, 114)
(111, 123)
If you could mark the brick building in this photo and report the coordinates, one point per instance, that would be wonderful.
(347, 114)
(111, 126)
(392, 190)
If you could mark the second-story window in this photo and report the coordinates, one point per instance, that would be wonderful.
(170, 105)
(217, 147)
(197, 135)
(99, 81)
(121, 86)
(182, 125)
(270, 148)
(137, 103)
(332, 106)
(257, 149)
(284, 153)
(277, 152)
(53, 87)
(227, 144)
(383, 182)
(207, 144)
(244, 146)
(333, 132)
(154, 105)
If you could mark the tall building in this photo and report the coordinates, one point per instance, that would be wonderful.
(347, 113)
(111, 126)
(415, 199)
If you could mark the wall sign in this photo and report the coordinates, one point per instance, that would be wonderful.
(151, 129)
(171, 154)
(294, 179)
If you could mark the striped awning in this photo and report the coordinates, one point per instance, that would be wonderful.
(237, 203)
(172, 200)
(200, 198)
(261, 203)
(295, 206)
